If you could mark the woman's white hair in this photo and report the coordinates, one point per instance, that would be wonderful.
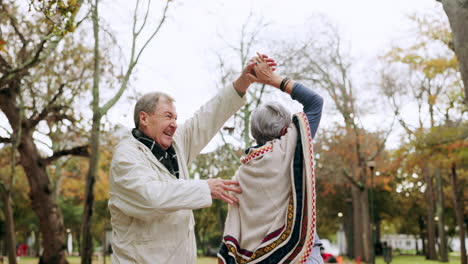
(268, 120)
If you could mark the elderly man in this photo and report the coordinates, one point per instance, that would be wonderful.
(151, 195)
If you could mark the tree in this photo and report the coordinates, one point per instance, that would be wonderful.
(450, 155)
(332, 189)
(410, 162)
(36, 67)
(100, 110)
(6, 186)
(334, 148)
(458, 197)
(457, 13)
(23, 217)
(430, 68)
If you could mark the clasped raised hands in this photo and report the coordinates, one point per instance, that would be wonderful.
(250, 75)
(262, 69)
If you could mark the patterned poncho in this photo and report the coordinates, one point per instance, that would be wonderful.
(274, 221)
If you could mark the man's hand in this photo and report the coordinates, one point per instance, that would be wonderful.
(219, 189)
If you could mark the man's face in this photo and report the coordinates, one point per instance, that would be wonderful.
(162, 124)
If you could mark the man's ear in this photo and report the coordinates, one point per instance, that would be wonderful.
(143, 118)
(284, 130)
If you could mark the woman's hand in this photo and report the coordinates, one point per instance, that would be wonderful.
(263, 72)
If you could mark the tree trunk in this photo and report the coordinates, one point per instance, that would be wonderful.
(78, 241)
(349, 224)
(457, 204)
(365, 220)
(43, 204)
(443, 250)
(37, 245)
(378, 231)
(246, 130)
(366, 226)
(422, 235)
(87, 239)
(416, 244)
(357, 228)
(457, 13)
(431, 236)
(10, 227)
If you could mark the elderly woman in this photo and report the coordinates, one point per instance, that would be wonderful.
(274, 221)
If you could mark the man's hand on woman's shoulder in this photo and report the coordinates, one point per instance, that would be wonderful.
(220, 188)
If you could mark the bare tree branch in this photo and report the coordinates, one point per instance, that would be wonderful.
(5, 140)
(60, 179)
(225, 74)
(82, 151)
(389, 84)
(41, 141)
(22, 69)
(14, 24)
(353, 181)
(34, 120)
(259, 99)
(4, 65)
(6, 130)
(161, 22)
(84, 18)
(381, 146)
(233, 154)
(145, 19)
(133, 59)
(246, 45)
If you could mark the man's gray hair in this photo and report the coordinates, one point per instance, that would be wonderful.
(147, 103)
(268, 120)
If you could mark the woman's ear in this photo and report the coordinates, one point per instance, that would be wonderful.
(284, 130)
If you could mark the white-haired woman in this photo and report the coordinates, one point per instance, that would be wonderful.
(274, 221)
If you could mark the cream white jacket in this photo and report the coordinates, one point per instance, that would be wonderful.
(151, 210)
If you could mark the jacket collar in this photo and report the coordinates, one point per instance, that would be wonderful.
(167, 158)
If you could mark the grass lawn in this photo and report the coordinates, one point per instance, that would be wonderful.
(416, 260)
(207, 260)
(379, 260)
(71, 260)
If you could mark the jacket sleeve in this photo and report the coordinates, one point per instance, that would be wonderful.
(312, 102)
(197, 132)
(137, 192)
